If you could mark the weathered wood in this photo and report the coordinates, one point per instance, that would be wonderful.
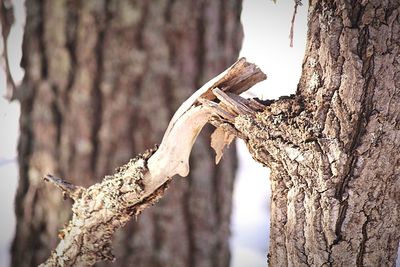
(102, 208)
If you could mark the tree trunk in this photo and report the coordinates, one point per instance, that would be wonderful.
(90, 66)
(333, 148)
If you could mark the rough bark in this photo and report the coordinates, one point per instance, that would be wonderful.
(333, 148)
(89, 67)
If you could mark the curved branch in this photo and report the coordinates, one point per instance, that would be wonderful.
(101, 209)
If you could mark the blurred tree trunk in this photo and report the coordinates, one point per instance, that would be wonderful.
(333, 148)
(102, 80)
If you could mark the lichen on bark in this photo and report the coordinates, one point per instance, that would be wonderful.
(99, 211)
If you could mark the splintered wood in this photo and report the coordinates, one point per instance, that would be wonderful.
(101, 209)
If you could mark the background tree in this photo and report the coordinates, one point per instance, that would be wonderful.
(89, 66)
(333, 147)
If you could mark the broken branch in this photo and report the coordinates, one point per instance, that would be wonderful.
(101, 209)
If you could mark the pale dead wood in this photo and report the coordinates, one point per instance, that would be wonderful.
(219, 140)
(104, 207)
(236, 106)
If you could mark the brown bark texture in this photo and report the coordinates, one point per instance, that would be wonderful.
(102, 80)
(333, 148)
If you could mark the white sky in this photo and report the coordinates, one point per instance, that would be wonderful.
(266, 43)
